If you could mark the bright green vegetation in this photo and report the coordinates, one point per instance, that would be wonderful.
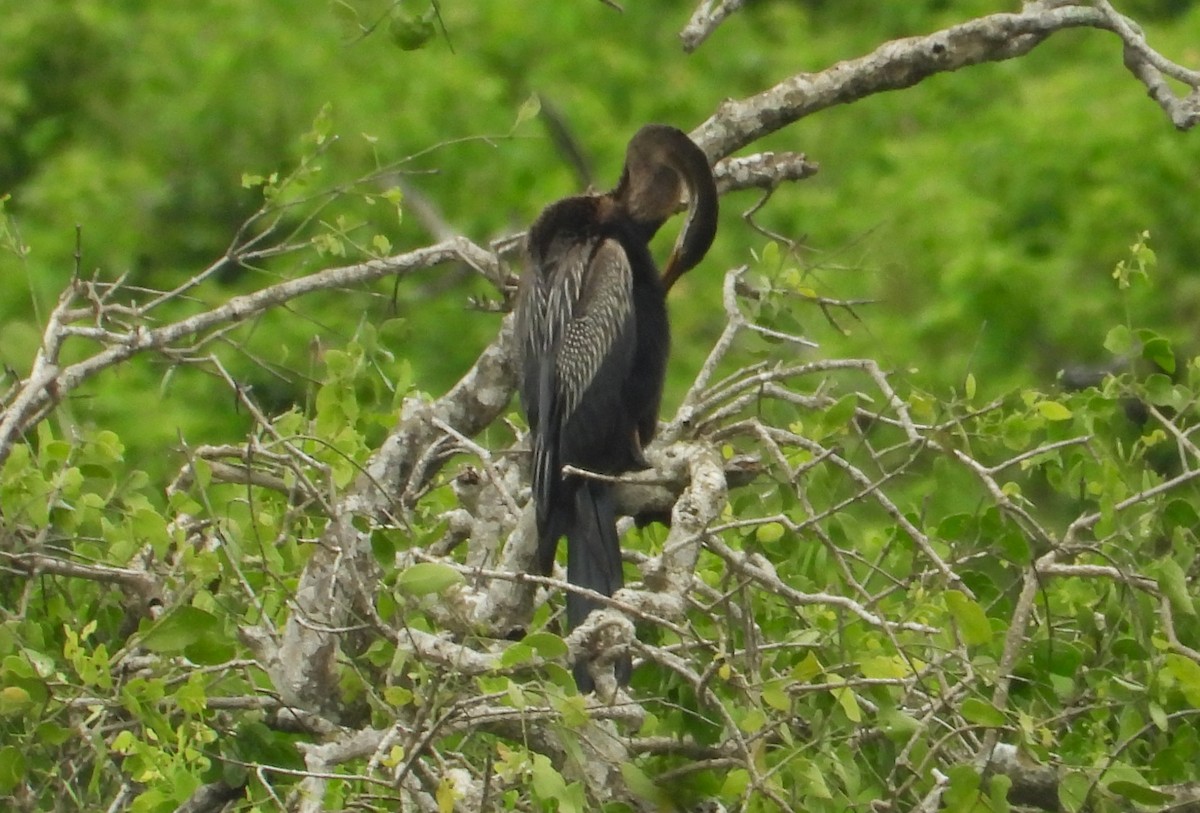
(982, 213)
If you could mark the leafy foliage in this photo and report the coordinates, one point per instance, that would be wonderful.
(933, 547)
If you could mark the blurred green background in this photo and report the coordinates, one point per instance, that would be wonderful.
(983, 211)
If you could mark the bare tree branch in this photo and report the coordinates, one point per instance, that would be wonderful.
(705, 19)
(905, 62)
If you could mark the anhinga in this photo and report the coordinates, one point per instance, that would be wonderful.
(593, 340)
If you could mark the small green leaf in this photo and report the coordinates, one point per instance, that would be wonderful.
(883, 667)
(962, 789)
(398, 696)
(1173, 582)
(753, 721)
(210, 651)
(981, 712)
(382, 245)
(642, 786)
(813, 780)
(547, 782)
(1053, 411)
(383, 547)
(898, 725)
(53, 734)
(1182, 513)
(736, 782)
(774, 694)
(179, 629)
(847, 700)
(410, 31)
(1136, 792)
(573, 709)
(1073, 791)
(771, 257)
(515, 654)
(1158, 350)
(1159, 390)
(1158, 716)
(12, 768)
(998, 787)
(14, 701)
(546, 644)
(424, 578)
(970, 617)
(445, 795)
(807, 669)
(769, 532)
(969, 388)
(838, 415)
(1187, 673)
(1119, 341)
(528, 110)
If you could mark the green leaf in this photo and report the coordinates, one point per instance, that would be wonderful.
(838, 415)
(382, 245)
(14, 701)
(210, 651)
(1053, 411)
(882, 667)
(1158, 716)
(410, 31)
(547, 782)
(962, 789)
(981, 712)
(970, 617)
(1159, 390)
(12, 768)
(573, 709)
(1119, 341)
(528, 110)
(53, 734)
(383, 547)
(191, 697)
(753, 721)
(769, 532)
(846, 699)
(898, 725)
(398, 696)
(772, 258)
(812, 779)
(1173, 582)
(546, 644)
(775, 695)
(998, 788)
(179, 629)
(1140, 793)
(424, 578)
(736, 782)
(642, 786)
(1187, 673)
(515, 654)
(1158, 350)
(1182, 513)
(1073, 791)
(445, 795)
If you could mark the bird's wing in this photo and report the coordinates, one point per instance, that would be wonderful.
(591, 309)
(576, 315)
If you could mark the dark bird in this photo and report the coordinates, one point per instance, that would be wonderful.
(593, 340)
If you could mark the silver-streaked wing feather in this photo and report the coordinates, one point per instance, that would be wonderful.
(592, 305)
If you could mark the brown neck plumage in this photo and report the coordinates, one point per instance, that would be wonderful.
(660, 163)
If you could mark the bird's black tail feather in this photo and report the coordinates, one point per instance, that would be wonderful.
(594, 562)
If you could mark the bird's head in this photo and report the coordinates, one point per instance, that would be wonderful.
(661, 164)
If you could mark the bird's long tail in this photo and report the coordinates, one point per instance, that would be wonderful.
(594, 562)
